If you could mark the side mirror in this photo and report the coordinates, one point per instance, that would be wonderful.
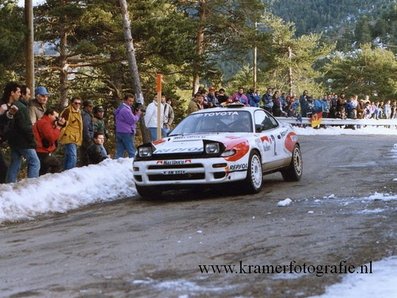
(259, 128)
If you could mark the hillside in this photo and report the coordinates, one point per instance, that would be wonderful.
(319, 15)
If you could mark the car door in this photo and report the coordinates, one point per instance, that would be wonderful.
(269, 131)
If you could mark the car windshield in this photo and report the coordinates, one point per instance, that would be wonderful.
(215, 122)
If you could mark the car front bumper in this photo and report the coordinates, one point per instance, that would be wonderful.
(188, 171)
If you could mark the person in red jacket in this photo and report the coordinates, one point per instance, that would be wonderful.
(46, 133)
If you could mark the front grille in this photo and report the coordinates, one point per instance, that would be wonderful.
(187, 176)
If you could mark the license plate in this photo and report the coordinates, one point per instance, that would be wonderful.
(176, 172)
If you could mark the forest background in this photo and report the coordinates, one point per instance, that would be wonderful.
(320, 45)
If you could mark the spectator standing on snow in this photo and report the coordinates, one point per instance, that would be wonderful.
(196, 103)
(168, 117)
(125, 121)
(72, 133)
(20, 136)
(240, 97)
(47, 131)
(39, 104)
(253, 98)
(88, 130)
(151, 118)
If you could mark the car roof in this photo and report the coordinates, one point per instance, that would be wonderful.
(228, 108)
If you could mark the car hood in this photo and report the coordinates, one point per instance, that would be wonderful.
(195, 143)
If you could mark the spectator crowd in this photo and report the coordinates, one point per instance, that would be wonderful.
(279, 103)
(33, 131)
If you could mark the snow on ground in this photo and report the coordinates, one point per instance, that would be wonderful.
(369, 130)
(112, 180)
(107, 181)
(382, 282)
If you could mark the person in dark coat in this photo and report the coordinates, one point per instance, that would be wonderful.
(88, 130)
(20, 136)
(96, 152)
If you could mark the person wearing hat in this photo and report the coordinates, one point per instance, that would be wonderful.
(98, 121)
(39, 104)
(88, 130)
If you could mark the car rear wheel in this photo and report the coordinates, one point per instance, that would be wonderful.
(294, 171)
(254, 181)
(149, 192)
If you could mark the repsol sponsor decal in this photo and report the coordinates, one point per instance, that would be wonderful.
(225, 113)
(238, 167)
(178, 150)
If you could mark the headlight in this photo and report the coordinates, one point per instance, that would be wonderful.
(145, 151)
(212, 148)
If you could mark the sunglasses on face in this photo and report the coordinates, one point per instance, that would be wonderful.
(77, 103)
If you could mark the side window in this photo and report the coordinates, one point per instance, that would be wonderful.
(264, 121)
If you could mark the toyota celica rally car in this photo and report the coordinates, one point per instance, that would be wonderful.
(218, 146)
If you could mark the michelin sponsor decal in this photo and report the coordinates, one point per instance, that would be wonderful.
(178, 150)
(173, 162)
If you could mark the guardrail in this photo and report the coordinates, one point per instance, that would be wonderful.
(341, 122)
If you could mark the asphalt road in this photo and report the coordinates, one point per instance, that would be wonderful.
(138, 248)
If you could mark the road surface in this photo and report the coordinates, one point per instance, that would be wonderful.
(138, 248)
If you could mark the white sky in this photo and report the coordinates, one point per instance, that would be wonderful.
(35, 2)
(112, 180)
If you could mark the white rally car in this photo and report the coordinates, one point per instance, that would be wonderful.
(216, 146)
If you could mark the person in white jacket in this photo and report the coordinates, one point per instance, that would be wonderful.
(151, 119)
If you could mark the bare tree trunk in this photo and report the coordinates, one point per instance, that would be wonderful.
(133, 65)
(290, 82)
(63, 76)
(131, 51)
(199, 45)
(29, 54)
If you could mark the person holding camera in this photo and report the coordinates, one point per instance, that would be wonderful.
(125, 120)
(20, 135)
(46, 131)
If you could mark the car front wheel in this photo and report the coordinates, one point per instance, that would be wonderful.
(254, 181)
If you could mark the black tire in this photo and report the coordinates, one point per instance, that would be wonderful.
(254, 181)
(148, 192)
(295, 169)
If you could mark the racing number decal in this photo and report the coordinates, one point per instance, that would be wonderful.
(274, 141)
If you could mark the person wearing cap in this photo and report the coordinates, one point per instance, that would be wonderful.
(88, 130)
(72, 133)
(38, 104)
(98, 121)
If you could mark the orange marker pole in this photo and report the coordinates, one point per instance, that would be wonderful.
(159, 79)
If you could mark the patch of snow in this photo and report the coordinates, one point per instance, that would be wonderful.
(284, 203)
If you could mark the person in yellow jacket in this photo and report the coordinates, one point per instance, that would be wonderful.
(72, 132)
